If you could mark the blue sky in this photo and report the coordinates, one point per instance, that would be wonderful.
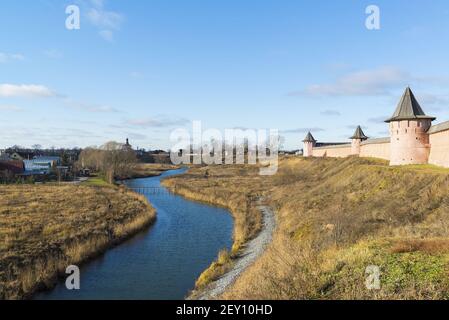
(139, 69)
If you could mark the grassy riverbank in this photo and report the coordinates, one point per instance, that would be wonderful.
(335, 218)
(146, 170)
(44, 229)
(242, 204)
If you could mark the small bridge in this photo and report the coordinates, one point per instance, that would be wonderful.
(150, 191)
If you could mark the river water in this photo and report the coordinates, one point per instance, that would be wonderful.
(162, 262)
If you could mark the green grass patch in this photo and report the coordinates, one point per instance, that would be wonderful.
(418, 274)
(96, 182)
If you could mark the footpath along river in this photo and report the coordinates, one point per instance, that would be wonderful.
(162, 262)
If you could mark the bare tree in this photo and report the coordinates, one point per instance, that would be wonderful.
(112, 160)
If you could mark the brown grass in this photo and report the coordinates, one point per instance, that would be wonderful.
(216, 269)
(144, 170)
(430, 246)
(44, 229)
(335, 218)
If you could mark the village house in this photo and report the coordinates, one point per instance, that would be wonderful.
(41, 165)
(15, 167)
(413, 139)
(4, 156)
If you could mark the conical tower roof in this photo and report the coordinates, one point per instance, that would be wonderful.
(358, 134)
(309, 138)
(409, 108)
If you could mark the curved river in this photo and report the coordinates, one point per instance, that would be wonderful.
(162, 262)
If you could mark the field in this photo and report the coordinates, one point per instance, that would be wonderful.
(335, 219)
(44, 229)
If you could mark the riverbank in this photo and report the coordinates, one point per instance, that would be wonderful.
(248, 255)
(162, 262)
(47, 228)
(335, 218)
(245, 208)
(148, 170)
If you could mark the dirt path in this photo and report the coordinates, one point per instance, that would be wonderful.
(252, 251)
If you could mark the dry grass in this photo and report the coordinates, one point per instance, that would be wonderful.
(144, 170)
(216, 269)
(335, 218)
(430, 246)
(43, 229)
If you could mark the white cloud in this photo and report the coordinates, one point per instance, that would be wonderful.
(90, 107)
(8, 57)
(105, 20)
(330, 112)
(136, 136)
(380, 119)
(25, 90)
(303, 130)
(53, 54)
(107, 35)
(10, 108)
(102, 109)
(157, 122)
(136, 75)
(378, 81)
(433, 99)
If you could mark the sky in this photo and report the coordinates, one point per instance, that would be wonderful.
(140, 69)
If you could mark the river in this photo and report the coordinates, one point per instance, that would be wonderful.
(162, 262)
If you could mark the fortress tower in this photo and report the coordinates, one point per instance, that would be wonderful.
(356, 140)
(408, 131)
(309, 144)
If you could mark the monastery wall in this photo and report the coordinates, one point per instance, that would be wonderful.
(337, 151)
(439, 145)
(376, 148)
(413, 139)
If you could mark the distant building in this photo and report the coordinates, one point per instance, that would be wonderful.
(41, 165)
(53, 160)
(4, 156)
(15, 156)
(13, 166)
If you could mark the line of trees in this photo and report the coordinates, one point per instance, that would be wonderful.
(111, 160)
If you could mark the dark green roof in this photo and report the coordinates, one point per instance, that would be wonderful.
(409, 108)
(309, 138)
(358, 134)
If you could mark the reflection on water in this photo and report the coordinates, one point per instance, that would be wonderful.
(164, 261)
